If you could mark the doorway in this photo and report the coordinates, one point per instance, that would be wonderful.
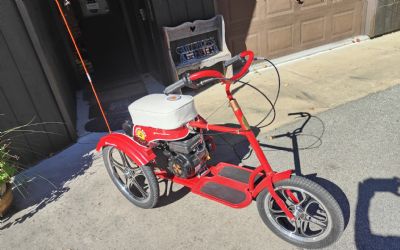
(106, 42)
(114, 41)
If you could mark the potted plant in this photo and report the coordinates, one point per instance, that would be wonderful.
(6, 173)
(9, 164)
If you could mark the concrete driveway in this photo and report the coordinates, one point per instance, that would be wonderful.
(351, 149)
(354, 154)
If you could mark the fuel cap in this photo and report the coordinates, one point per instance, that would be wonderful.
(173, 97)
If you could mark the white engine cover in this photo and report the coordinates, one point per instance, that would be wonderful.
(162, 111)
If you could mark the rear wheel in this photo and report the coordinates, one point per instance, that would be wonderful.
(318, 218)
(138, 184)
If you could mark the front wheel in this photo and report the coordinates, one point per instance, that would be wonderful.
(137, 183)
(318, 218)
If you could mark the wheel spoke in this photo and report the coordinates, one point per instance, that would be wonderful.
(318, 214)
(118, 166)
(296, 224)
(125, 159)
(305, 200)
(287, 198)
(116, 163)
(279, 214)
(139, 188)
(135, 182)
(315, 221)
(122, 155)
(311, 218)
(304, 227)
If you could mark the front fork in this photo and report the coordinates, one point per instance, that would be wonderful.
(268, 183)
(271, 176)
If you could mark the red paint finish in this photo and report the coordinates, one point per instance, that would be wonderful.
(291, 196)
(142, 154)
(155, 134)
(196, 183)
(267, 183)
(216, 74)
(138, 153)
(246, 67)
(206, 126)
(275, 177)
(265, 167)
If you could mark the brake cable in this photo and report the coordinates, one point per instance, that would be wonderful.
(260, 92)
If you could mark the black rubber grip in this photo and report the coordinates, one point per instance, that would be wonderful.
(175, 86)
(232, 61)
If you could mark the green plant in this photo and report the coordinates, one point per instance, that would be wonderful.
(9, 162)
(7, 170)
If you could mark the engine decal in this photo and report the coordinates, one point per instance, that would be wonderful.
(139, 133)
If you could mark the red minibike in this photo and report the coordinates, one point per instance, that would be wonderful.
(168, 140)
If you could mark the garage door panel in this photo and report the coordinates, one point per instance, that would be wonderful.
(312, 31)
(346, 20)
(253, 41)
(280, 39)
(343, 23)
(313, 4)
(280, 27)
(278, 8)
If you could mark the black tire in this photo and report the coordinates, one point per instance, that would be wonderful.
(327, 221)
(143, 191)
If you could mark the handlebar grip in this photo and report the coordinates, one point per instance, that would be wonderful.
(232, 60)
(175, 86)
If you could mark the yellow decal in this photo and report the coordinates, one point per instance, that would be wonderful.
(140, 134)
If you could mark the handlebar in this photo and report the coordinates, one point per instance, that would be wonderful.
(175, 86)
(232, 60)
(187, 80)
(218, 75)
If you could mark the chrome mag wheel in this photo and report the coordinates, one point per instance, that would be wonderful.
(318, 218)
(312, 221)
(137, 183)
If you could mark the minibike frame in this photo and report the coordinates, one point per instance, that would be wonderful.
(260, 178)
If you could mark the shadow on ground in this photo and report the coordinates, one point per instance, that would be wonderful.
(229, 148)
(364, 237)
(35, 188)
(313, 141)
(170, 192)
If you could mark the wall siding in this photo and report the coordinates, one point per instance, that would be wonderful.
(25, 94)
(387, 17)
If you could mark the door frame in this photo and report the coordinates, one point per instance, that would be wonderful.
(145, 31)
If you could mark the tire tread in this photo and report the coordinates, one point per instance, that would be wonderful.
(329, 202)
